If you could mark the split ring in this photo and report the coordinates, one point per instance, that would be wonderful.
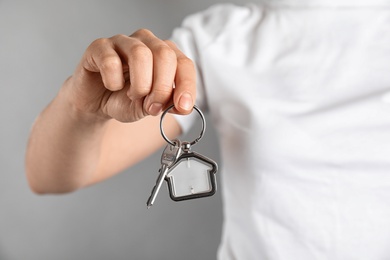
(193, 142)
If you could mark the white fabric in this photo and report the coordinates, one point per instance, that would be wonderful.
(300, 100)
(326, 3)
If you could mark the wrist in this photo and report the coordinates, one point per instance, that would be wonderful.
(69, 99)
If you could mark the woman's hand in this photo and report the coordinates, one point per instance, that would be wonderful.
(130, 77)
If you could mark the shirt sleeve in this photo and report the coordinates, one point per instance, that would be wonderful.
(184, 39)
(194, 35)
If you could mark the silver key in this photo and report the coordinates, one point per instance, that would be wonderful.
(168, 158)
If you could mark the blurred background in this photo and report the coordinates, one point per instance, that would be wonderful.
(41, 42)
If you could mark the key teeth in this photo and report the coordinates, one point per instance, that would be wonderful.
(167, 158)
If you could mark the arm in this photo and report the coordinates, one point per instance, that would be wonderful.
(99, 122)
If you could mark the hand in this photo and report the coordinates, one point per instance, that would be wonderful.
(130, 77)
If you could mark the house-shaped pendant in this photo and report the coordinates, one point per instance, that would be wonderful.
(192, 176)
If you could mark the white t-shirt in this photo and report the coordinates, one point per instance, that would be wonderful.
(300, 98)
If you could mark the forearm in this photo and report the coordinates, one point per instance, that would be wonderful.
(104, 118)
(64, 147)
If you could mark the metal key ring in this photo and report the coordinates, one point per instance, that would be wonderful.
(193, 142)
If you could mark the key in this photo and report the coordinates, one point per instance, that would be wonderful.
(189, 175)
(168, 157)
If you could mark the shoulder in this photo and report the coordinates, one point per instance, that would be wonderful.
(209, 24)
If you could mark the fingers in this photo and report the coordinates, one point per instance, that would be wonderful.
(139, 60)
(101, 57)
(185, 82)
(152, 66)
(164, 69)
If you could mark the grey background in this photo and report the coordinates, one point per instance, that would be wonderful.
(40, 44)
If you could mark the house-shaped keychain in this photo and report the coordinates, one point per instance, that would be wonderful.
(192, 176)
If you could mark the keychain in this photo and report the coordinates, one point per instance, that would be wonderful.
(189, 175)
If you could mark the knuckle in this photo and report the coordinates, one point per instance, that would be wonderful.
(140, 50)
(139, 91)
(100, 42)
(163, 92)
(185, 61)
(170, 43)
(165, 52)
(110, 61)
(142, 33)
(118, 36)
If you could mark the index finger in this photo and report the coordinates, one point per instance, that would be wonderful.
(184, 94)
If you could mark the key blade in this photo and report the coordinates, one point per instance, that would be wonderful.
(157, 186)
(168, 157)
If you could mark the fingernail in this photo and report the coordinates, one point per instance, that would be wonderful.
(155, 109)
(185, 101)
